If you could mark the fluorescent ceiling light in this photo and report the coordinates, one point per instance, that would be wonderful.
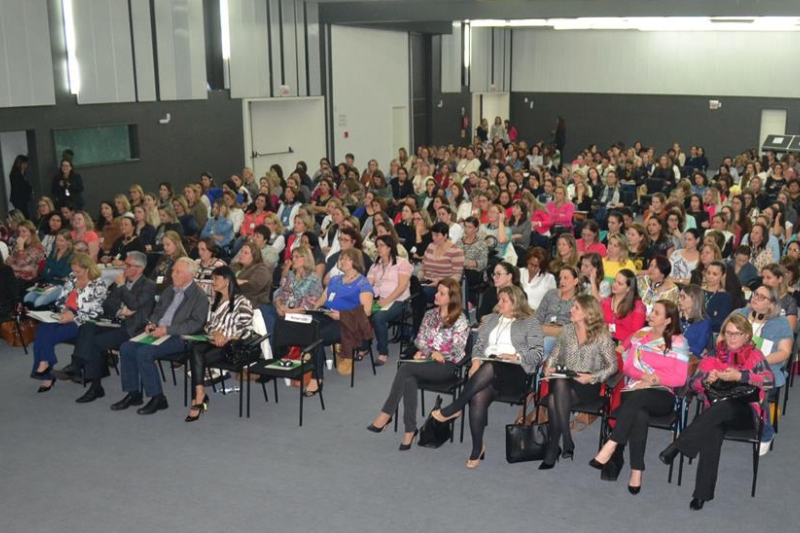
(225, 29)
(73, 71)
(652, 23)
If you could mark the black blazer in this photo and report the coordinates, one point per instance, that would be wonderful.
(140, 298)
(75, 187)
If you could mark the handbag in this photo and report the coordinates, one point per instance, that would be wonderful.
(731, 390)
(242, 352)
(526, 442)
(433, 433)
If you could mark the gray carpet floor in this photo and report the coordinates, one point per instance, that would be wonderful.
(83, 468)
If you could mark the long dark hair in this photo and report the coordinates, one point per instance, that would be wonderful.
(674, 326)
(390, 243)
(454, 309)
(628, 303)
(233, 287)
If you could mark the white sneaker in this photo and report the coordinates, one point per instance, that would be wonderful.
(763, 448)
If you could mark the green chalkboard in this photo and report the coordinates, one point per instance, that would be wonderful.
(96, 145)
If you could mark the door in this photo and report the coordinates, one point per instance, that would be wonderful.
(400, 129)
(284, 131)
(12, 144)
(773, 122)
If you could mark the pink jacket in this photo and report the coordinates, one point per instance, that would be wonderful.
(647, 355)
(542, 217)
(561, 215)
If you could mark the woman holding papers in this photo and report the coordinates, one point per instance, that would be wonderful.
(510, 345)
(656, 363)
(81, 300)
(229, 317)
(389, 276)
(440, 346)
(56, 269)
(582, 358)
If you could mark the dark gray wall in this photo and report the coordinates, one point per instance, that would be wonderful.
(446, 118)
(421, 87)
(654, 120)
(203, 135)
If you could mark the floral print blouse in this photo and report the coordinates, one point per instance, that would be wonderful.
(433, 336)
(297, 293)
(90, 298)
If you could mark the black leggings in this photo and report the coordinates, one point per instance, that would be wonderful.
(480, 391)
(203, 354)
(405, 387)
(564, 395)
(633, 419)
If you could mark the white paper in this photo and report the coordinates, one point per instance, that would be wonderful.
(47, 317)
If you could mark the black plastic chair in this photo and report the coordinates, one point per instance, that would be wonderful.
(14, 315)
(286, 335)
(450, 387)
(753, 437)
(177, 359)
(223, 366)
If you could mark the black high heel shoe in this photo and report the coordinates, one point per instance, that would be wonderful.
(546, 465)
(568, 453)
(375, 429)
(45, 371)
(594, 463)
(405, 447)
(312, 393)
(201, 408)
(696, 504)
(48, 387)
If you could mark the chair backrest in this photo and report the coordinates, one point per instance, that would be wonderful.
(288, 333)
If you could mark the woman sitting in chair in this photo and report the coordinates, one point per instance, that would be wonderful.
(81, 299)
(441, 341)
(584, 347)
(510, 346)
(736, 361)
(390, 276)
(299, 288)
(230, 317)
(656, 363)
(346, 292)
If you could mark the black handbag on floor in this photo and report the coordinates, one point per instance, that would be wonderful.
(527, 442)
(433, 433)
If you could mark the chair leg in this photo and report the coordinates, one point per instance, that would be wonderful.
(396, 418)
(161, 369)
(301, 401)
(241, 391)
(186, 385)
(755, 469)
(680, 470)
(248, 395)
(275, 388)
(174, 379)
(264, 389)
(422, 401)
(372, 360)
(321, 398)
(21, 338)
(785, 396)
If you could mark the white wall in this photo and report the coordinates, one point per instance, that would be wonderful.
(273, 125)
(26, 63)
(370, 77)
(635, 62)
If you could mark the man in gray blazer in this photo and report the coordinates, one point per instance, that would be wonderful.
(181, 310)
(130, 299)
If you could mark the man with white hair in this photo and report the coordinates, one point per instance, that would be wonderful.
(181, 310)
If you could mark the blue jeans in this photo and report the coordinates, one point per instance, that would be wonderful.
(549, 344)
(42, 300)
(137, 362)
(270, 316)
(44, 345)
(380, 322)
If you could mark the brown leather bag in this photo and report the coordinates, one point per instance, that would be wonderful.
(8, 330)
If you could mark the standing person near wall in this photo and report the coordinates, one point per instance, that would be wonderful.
(68, 186)
(21, 189)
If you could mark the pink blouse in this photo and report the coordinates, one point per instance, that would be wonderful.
(561, 215)
(597, 247)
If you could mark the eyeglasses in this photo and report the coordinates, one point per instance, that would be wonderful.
(733, 334)
(757, 296)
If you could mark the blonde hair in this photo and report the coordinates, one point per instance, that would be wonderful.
(85, 262)
(519, 301)
(125, 202)
(34, 241)
(622, 242)
(595, 323)
(86, 218)
(176, 240)
(306, 254)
